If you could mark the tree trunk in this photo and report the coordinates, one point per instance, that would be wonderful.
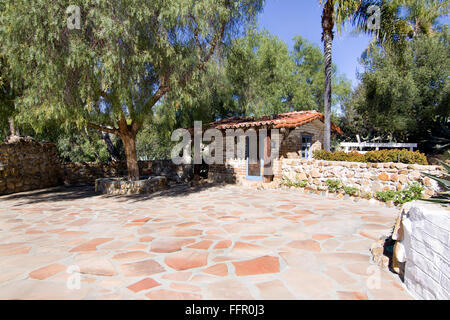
(113, 153)
(12, 128)
(327, 38)
(129, 144)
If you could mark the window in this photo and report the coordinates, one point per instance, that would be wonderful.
(306, 146)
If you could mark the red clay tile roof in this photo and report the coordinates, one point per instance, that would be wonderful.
(283, 120)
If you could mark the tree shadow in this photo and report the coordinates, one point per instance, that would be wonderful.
(55, 194)
(175, 191)
(63, 193)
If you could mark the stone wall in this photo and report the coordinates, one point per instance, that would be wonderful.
(366, 177)
(291, 140)
(87, 172)
(28, 165)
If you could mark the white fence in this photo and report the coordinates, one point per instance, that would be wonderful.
(349, 146)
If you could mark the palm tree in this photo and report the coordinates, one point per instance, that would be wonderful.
(335, 12)
(423, 14)
(401, 20)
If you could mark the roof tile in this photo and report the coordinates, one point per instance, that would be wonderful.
(283, 120)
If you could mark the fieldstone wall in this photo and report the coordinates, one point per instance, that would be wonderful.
(28, 165)
(121, 186)
(366, 177)
(87, 172)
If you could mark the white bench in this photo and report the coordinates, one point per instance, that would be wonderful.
(348, 145)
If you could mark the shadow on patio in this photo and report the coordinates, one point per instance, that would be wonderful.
(62, 193)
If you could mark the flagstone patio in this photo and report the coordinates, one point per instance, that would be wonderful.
(222, 242)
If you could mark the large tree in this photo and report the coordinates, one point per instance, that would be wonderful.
(405, 97)
(7, 97)
(261, 72)
(127, 55)
(335, 13)
(308, 91)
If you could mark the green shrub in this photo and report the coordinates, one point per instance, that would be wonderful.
(297, 184)
(378, 156)
(350, 190)
(333, 185)
(444, 181)
(386, 196)
(339, 156)
(410, 193)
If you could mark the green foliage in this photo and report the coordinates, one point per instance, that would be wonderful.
(260, 70)
(79, 148)
(377, 156)
(386, 196)
(75, 145)
(338, 156)
(337, 185)
(444, 182)
(351, 191)
(126, 57)
(153, 142)
(267, 79)
(402, 97)
(401, 20)
(7, 96)
(333, 185)
(256, 75)
(308, 88)
(396, 155)
(297, 184)
(410, 193)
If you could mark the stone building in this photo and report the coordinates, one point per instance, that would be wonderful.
(299, 134)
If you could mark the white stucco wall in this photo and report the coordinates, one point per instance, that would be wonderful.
(426, 243)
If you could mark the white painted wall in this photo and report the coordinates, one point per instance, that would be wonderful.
(426, 243)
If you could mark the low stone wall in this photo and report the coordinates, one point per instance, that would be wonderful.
(121, 186)
(366, 177)
(28, 165)
(87, 172)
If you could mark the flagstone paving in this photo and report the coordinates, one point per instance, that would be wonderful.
(221, 242)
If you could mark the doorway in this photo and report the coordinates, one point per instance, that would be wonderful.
(254, 166)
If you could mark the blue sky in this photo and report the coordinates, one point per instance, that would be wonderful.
(288, 18)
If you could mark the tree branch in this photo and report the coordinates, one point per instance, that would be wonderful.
(103, 129)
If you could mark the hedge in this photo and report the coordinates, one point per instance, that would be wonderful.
(378, 156)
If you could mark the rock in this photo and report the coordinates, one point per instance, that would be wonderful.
(415, 175)
(315, 173)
